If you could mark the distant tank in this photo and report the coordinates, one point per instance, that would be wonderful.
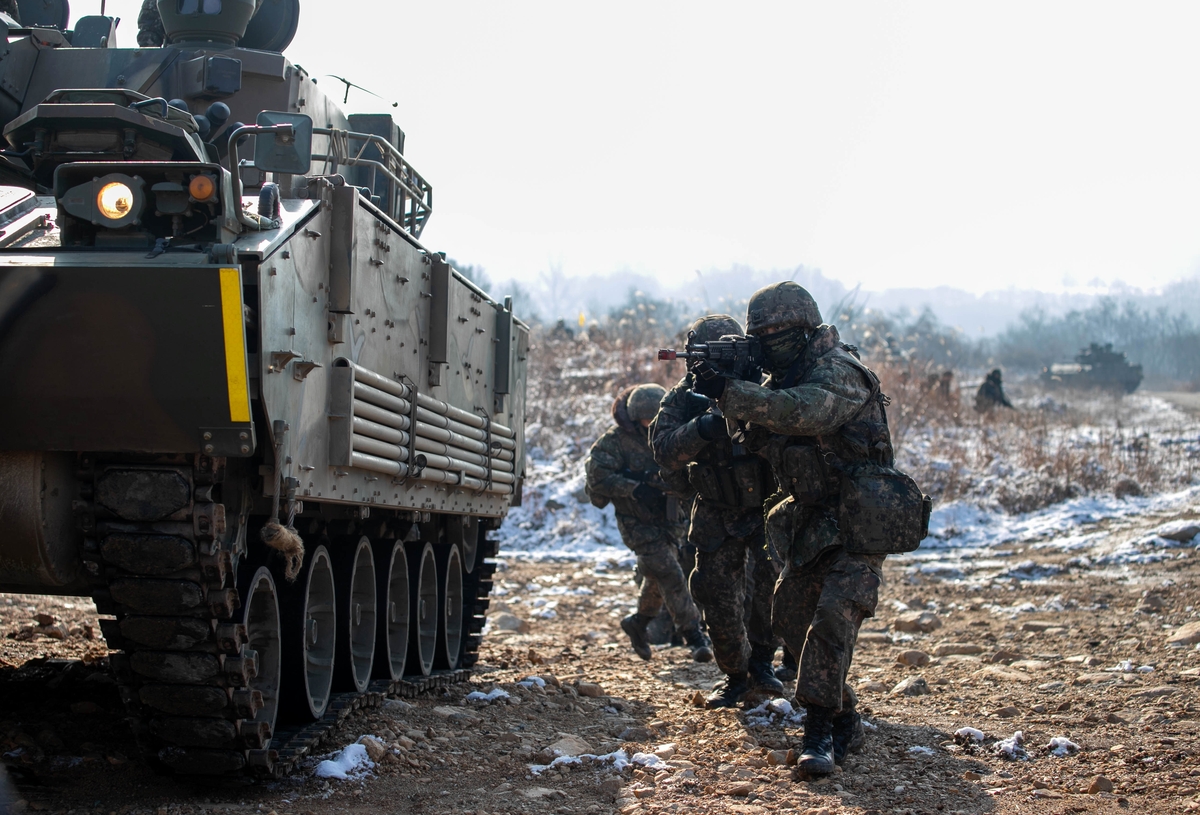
(1097, 366)
(220, 343)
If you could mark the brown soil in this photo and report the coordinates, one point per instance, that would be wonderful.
(1043, 673)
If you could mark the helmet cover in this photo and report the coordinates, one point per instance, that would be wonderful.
(643, 401)
(782, 305)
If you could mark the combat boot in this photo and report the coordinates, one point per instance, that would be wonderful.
(817, 755)
(762, 674)
(701, 647)
(848, 734)
(635, 626)
(728, 692)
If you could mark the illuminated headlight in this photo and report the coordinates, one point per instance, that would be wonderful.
(115, 200)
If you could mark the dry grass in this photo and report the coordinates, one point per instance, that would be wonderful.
(572, 383)
(1051, 448)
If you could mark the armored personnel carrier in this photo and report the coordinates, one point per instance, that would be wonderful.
(244, 408)
(1097, 366)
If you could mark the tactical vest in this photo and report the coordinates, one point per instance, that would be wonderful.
(727, 475)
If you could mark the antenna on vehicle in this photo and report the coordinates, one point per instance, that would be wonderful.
(349, 85)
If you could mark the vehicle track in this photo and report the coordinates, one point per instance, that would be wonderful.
(164, 541)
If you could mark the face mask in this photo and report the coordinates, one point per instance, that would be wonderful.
(782, 349)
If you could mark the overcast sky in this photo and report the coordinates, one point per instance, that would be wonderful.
(1037, 145)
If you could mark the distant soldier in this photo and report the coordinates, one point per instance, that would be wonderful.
(9, 7)
(621, 469)
(689, 437)
(991, 394)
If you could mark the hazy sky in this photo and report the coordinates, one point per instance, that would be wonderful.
(1040, 145)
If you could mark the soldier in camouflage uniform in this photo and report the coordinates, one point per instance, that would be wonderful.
(9, 7)
(820, 408)
(621, 469)
(150, 25)
(991, 393)
(690, 440)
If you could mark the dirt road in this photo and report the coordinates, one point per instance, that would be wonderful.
(1036, 645)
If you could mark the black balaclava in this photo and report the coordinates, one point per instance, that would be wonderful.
(784, 347)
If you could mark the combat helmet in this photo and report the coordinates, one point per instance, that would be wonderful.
(643, 401)
(715, 326)
(781, 305)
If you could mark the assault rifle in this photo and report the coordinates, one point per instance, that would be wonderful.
(738, 357)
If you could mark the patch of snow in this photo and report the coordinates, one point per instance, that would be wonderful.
(918, 750)
(1061, 746)
(351, 762)
(489, 697)
(618, 758)
(775, 712)
(970, 732)
(531, 681)
(1011, 748)
(648, 760)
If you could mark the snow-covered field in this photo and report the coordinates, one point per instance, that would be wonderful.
(1064, 473)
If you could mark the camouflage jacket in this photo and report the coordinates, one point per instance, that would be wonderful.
(723, 507)
(619, 461)
(827, 408)
(151, 33)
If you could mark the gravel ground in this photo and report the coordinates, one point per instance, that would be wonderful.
(1081, 655)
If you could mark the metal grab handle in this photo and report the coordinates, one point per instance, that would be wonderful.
(287, 130)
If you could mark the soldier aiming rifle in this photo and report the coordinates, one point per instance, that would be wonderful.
(733, 578)
(820, 420)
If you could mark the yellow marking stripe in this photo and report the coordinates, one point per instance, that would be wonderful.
(235, 345)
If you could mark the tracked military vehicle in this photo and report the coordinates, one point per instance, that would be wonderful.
(243, 407)
(1097, 366)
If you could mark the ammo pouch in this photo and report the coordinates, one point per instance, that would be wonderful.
(882, 510)
(736, 484)
(747, 472)
(704, 480)
(804, 474)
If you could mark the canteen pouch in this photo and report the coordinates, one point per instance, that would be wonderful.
(883, 511)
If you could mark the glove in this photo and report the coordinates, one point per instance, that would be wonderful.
(712, 386)
(709, 426)
(651, 498)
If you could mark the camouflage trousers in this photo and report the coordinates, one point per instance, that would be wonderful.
(818, 610)
(663, 583)
(732, 586)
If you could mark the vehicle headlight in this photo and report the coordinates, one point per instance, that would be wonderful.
(115, 200)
